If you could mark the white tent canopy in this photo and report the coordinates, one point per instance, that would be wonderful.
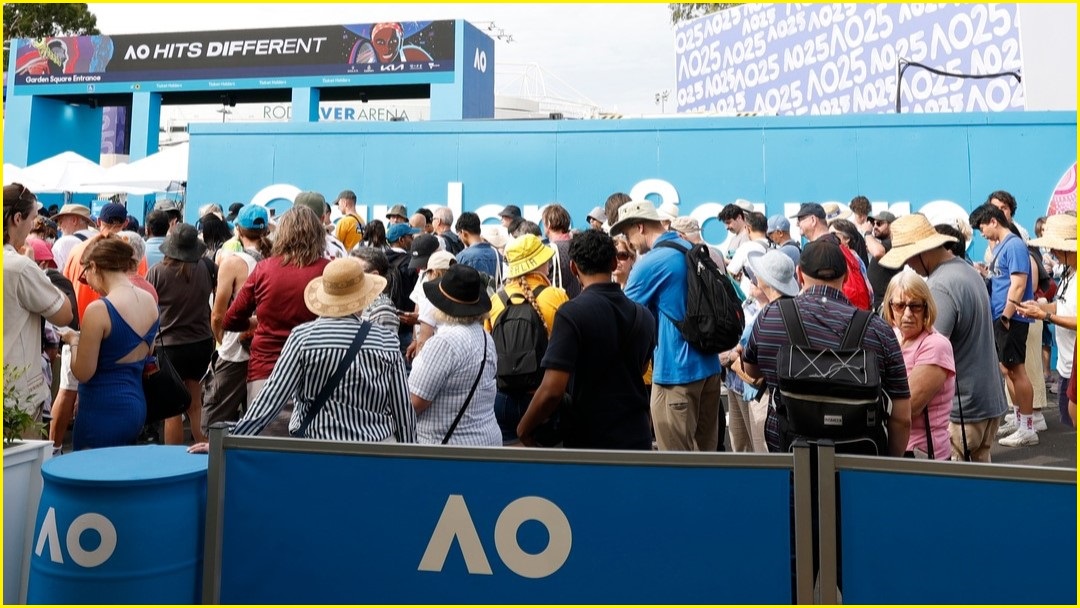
(157, 172)
(65, 172)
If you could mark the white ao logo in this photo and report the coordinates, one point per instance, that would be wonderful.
(455, 522)
(87, 521)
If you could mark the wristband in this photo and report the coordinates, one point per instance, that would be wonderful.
(1050, 318)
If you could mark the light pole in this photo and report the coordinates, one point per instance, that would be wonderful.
(661, 99)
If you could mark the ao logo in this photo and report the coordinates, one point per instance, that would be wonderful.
(480, 61)
(455, 522)
(73, 540)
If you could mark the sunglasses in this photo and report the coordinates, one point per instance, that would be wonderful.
(622, 256)
(880, 223)
(82, 275)
(915, 307)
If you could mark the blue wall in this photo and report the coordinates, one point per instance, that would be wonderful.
(901, 162)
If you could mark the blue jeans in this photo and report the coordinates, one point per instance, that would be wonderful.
(509, 408)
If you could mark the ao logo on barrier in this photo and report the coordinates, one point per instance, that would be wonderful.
(455, 522)
(87, 521)
(480, 61)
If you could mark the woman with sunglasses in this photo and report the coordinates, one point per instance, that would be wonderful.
(624, 260)
(928, 356)
(118, 330)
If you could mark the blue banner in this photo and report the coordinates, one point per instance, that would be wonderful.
(333, 528)
(796, 59)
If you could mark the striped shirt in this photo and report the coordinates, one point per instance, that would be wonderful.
(382, 312)
(826, 314)
(443, 373)
(370, 404)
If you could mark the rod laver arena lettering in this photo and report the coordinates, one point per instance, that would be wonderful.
(229, 48)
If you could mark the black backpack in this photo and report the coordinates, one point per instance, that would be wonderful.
(520, 342)
(830, 393)
(714, 319)
(402, 280)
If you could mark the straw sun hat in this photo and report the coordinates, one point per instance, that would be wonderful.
(1059, 232)
(343, 289)
(912, 235)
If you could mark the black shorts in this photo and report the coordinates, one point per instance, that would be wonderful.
(1011, 343)
(190, 360)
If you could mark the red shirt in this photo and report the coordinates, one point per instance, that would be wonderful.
(274, 293)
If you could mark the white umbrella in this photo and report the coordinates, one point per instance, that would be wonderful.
(65, 172)
(157, 172)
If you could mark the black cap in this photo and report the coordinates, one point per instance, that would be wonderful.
(823, 260)
(810, 209)
(422, 248)
(511, 211)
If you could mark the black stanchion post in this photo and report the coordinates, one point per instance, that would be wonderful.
(215, 506)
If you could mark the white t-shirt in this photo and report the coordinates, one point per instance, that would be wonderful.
(63, 245)
(425, 309)
(1066, 338)
(738, 262)
(28, 296)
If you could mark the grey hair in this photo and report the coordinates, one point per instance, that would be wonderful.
(444, 215)
(444, 319)
(138, 245)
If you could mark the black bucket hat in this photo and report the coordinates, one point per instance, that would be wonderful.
(182, 243)
(461, 292)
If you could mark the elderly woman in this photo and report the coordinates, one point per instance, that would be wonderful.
(928, 356)
(345, 375)
(773, 276)
(453, 379)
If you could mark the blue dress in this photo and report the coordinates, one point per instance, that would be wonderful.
(112, 408)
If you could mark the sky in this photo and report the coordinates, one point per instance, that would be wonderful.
(618, 56)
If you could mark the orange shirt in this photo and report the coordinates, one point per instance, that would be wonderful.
(73, 268)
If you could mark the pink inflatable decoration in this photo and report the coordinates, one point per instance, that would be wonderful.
(1064, 197)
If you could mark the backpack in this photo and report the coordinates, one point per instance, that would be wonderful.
(830, 393)
(1045, 287)
(520, 342)
(402, 280)
(714, 319)
(452, 243)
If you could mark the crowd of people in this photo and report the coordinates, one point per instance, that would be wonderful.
(419, 328)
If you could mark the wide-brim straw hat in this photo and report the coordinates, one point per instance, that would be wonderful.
(461, 292)
(343, 289)
(912, 235)
(182, 243)
(525, 254)
(1059, 232)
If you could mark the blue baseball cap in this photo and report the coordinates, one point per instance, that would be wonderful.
(253, 217)
(396, 231)
(778, 222)
(113, 213)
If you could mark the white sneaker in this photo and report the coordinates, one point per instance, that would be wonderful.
(1020, 438)
(1008, 427)
(1039, 421)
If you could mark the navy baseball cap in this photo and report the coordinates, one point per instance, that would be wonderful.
(113, 213)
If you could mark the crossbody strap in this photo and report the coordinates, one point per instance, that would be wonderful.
(335, 380)
(464, 406)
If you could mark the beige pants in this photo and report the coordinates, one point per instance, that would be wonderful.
(759, 410)
(685, 416)
(980, 437)
(739, 422)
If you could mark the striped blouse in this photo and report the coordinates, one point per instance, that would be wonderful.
(371, 403)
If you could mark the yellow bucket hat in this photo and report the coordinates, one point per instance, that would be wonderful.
(525, 254)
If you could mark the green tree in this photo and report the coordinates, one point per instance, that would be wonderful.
(685, 11)
(38, 20)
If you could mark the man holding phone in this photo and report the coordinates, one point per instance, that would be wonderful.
(1009, 272)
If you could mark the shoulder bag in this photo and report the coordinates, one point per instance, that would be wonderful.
(334, 380)
(166, 394)
(461, 412)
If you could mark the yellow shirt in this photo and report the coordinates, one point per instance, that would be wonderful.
(548, 301)
(348, 231)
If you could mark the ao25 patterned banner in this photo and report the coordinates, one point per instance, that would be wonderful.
(796, 59)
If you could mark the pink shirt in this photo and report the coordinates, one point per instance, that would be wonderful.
(932, 349)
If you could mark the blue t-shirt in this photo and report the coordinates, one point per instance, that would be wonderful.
(1011, 257)
(480, 256)
(658, 282)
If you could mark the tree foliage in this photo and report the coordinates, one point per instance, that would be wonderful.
(685, 11)
(38, 20)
